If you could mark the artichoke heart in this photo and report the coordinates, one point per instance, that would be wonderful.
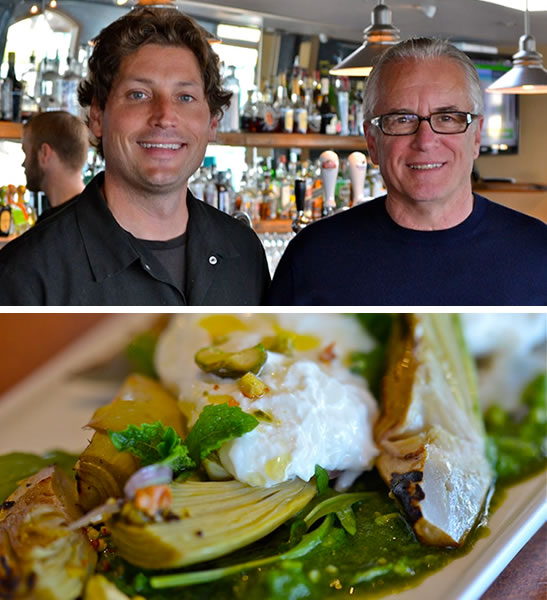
(430, 432)
(102, 470)
(215, 518)
(40, 557)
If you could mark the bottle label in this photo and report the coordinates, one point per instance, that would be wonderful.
(5, 221)
(301, 121)
(288, 120)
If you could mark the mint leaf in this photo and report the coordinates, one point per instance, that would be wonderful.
(140, 353)
(153, 443)
(321, 479)
(216, 425)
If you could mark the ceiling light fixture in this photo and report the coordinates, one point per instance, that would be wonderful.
(528, 75)
(377, 38)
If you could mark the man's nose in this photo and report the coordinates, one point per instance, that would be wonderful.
(163, 111)
(425, 135)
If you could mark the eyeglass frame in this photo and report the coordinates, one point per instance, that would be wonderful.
(470, 117)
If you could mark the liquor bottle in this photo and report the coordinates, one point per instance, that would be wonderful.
(50, 92)
(11, 93)
(6, 220)
(249, 119)
(299, 108)
(356, 110)
(268, 116)
(342, 94)
(29, 106)
(69, 88)
(230, 119)
(210, 194)
(223, 193)
(328, 115)
(314, 116)
(285, 108)
(329, 172)
(285, 200)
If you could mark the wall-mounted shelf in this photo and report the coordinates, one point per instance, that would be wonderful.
(292, 140)
(10, 131)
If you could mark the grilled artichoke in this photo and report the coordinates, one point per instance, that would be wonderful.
(40, 557)
(214, 518)
(430, 431)
(102, 471)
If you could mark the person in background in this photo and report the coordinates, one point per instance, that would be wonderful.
(136, 235)
(55, 145)
(430, 240)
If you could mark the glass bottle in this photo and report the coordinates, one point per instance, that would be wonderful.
(11, 93)
(29, 80)
(50, 93)
(299, 108)
(328, 116)
(267, 117)
(69, 88)
(230, 120)
(6, 221)
(314, 116)
(249, 112)
(286, 110)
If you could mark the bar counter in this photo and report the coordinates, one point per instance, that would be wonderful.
(29, 340)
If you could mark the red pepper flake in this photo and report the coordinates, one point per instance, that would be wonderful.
(216, 386)
(327, 354)
(232, 402)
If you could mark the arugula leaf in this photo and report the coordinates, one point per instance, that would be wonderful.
(371, 366)
(321, 479)
(154, 444)
(377, 324)
(216, 425)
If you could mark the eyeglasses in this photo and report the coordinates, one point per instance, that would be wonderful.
(408, 123)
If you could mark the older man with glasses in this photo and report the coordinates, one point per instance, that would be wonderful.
(430, 240)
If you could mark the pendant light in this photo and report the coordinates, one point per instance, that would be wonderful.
(378, 37)
(528, 75)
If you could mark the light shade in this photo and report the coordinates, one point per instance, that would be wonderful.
(378, 37)
(527, 76)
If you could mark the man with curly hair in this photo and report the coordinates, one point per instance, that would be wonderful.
(136, 235)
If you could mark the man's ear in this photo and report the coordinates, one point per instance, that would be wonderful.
(477, 136)
(213, 124)
(370, 136)
(44, 154)
(96, 119)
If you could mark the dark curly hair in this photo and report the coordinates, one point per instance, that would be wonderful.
(148, 25)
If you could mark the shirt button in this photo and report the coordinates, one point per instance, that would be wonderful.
(213, 260)
(147, 267)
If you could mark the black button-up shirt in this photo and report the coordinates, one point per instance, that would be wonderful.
(81, 256)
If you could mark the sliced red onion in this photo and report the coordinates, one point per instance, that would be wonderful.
(147, 476)
(97, 514)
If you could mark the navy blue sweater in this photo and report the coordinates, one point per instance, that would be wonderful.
(496, 257)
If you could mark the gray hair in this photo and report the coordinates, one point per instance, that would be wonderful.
(421, 49)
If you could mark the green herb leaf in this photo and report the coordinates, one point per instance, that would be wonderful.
(153, 443)
(140, 353)
(216, 425)
(334, 504)
(377, 324)
(321, 480)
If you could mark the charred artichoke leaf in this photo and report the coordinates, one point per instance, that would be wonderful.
(102, 470)
(430, 432)
(214, 518)
(40, 557)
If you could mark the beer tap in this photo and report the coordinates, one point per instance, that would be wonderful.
(357, 172)
(329, 173)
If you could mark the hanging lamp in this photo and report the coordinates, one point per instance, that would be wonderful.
(528, 75)
(378, 37)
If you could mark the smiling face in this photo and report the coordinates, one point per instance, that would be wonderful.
(156, 123)
(426, 167)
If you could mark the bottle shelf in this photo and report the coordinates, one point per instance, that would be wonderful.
(292, 140)
(10, 130)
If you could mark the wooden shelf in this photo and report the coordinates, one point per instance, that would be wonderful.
(11, 131)
(273, 226)
(292, 140)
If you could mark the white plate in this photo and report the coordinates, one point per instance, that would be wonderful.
(50, 407)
